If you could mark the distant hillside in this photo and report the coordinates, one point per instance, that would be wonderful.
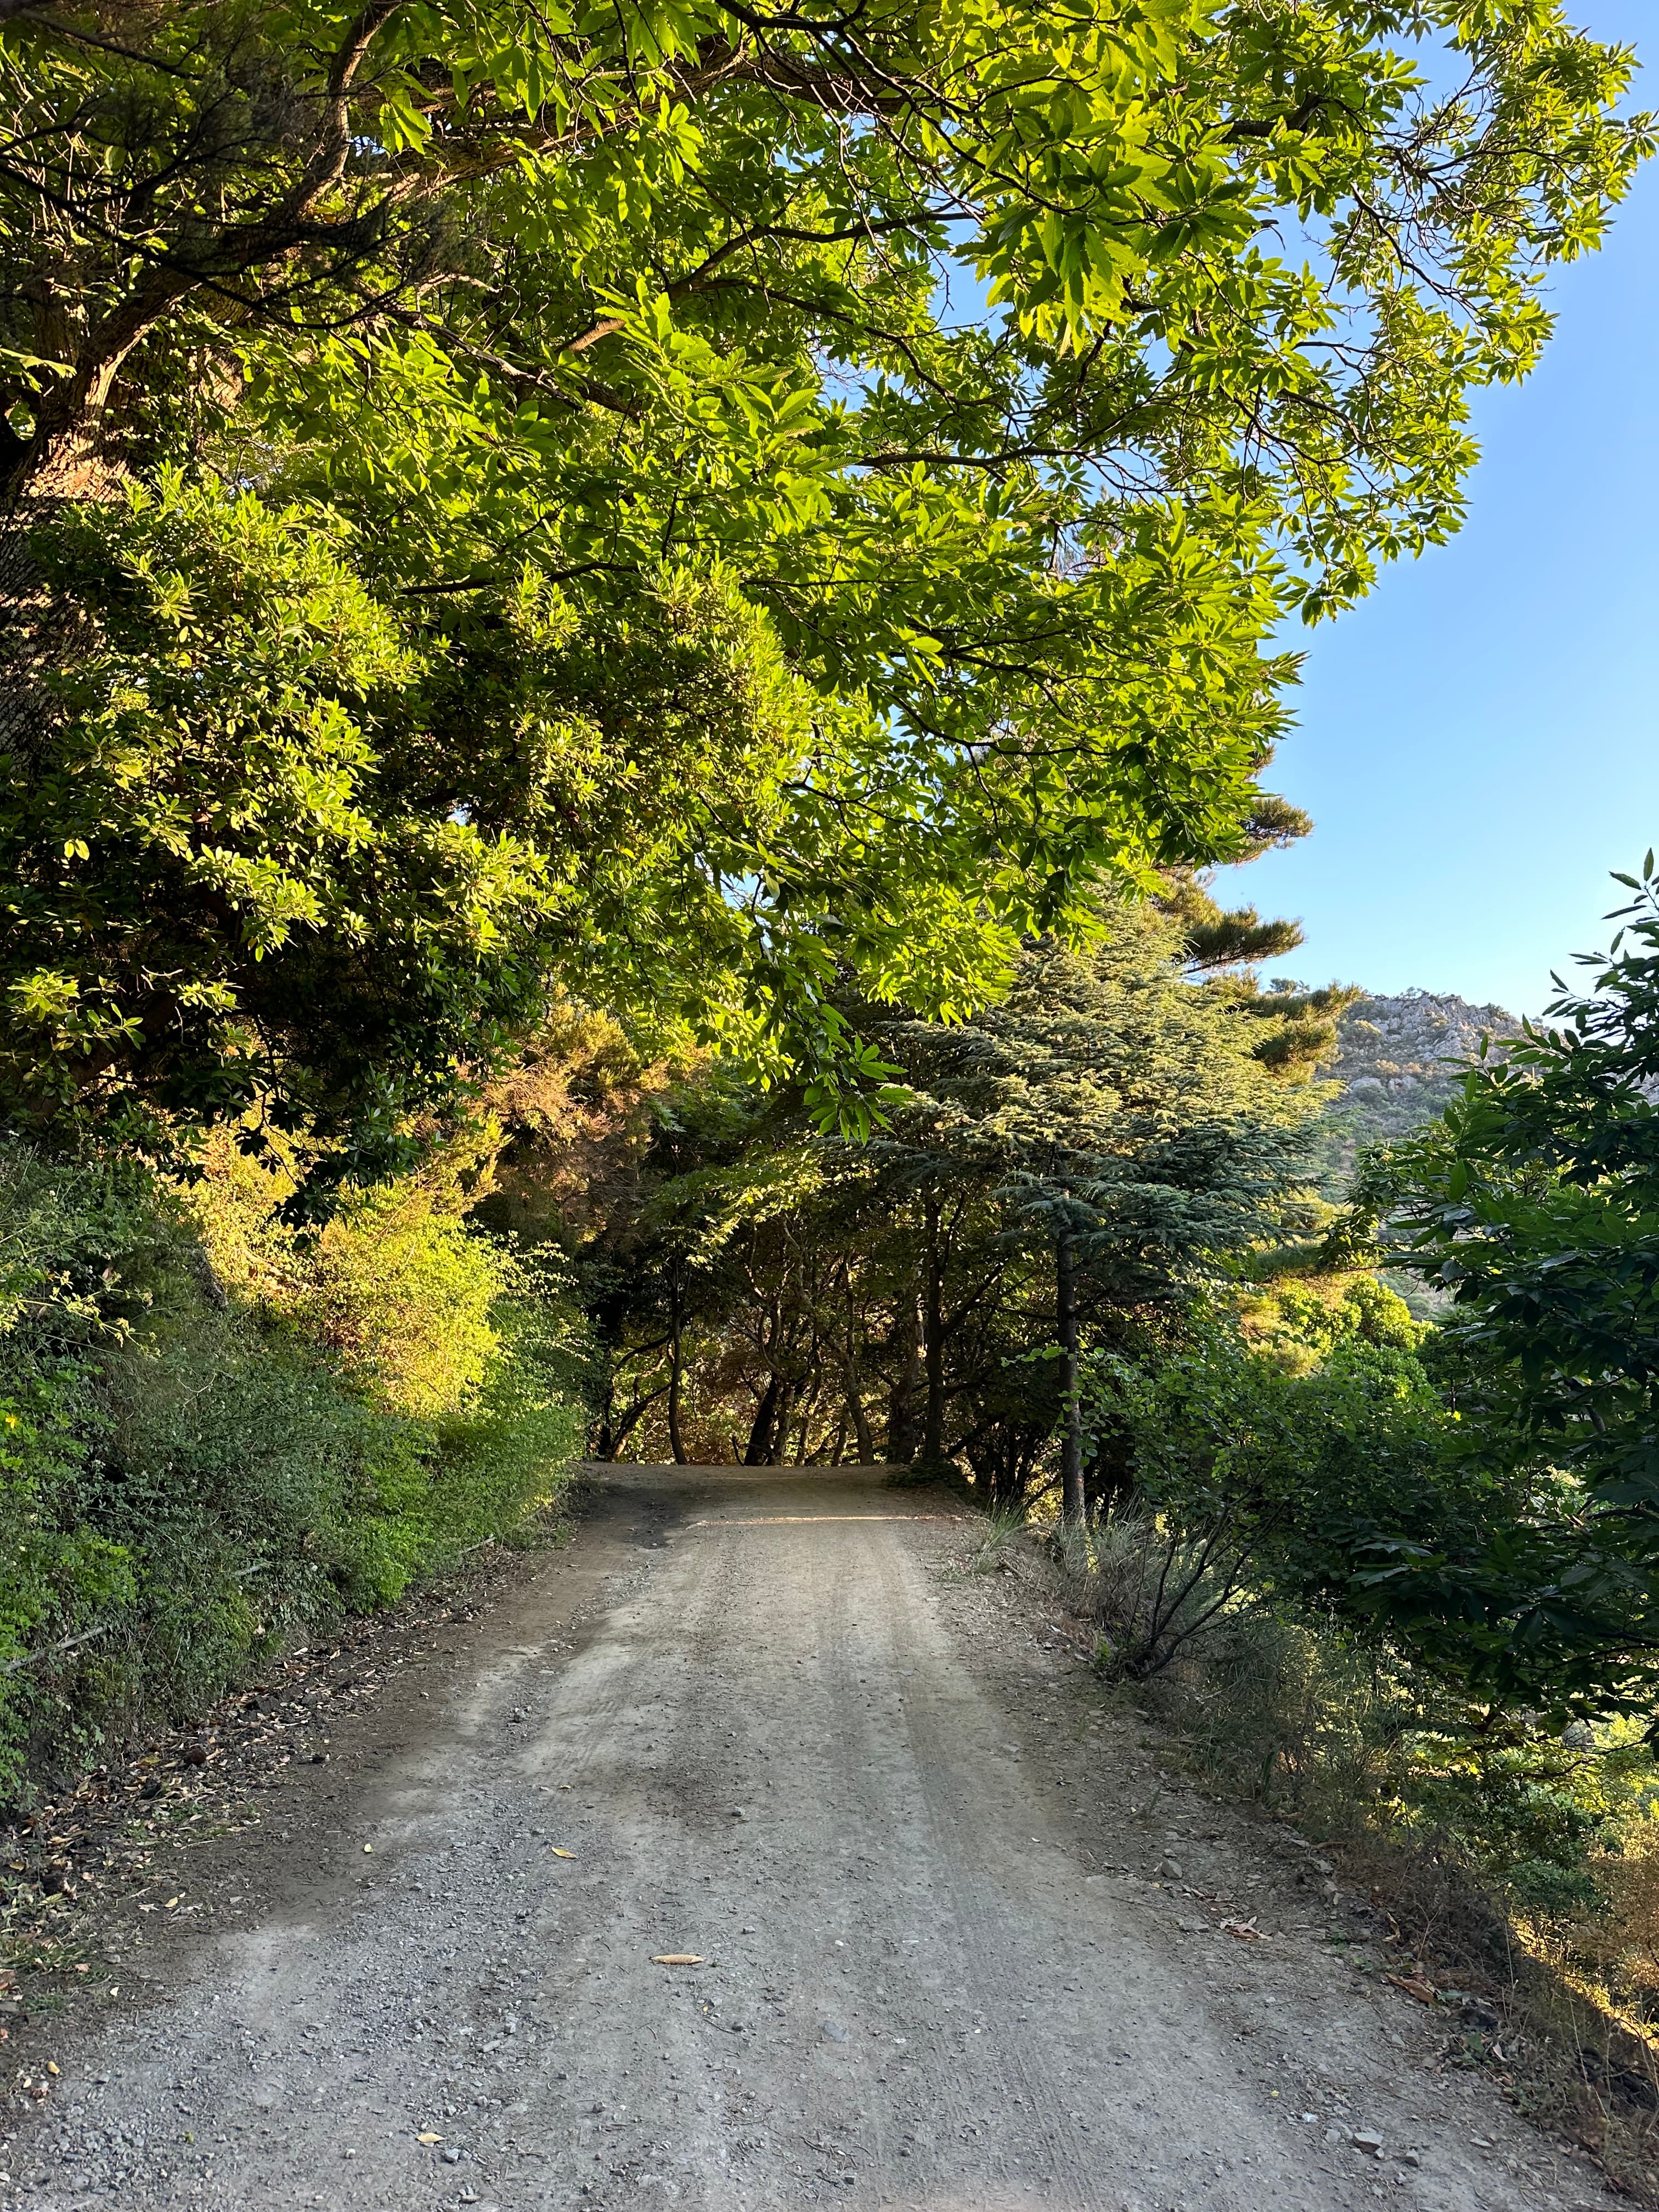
(1396, 1061)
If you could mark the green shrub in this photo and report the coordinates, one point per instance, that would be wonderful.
(1292, 1476)
(1515, 1815)
(216, 1432)
(1284, 1708)
(1273, 1463)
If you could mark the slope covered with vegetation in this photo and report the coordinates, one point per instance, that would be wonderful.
(217, 1435)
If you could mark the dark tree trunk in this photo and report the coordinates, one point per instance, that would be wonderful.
(854, 1388)
(604, 1428)
(861, 1437)
(902, 1405)
(805, 1456)
(676, 1375)
(1071, 1454)
(777, 1448)
(932, 1430)
(759, 1452)
(614, 1434)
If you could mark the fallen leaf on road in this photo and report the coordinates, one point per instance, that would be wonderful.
(172, 1901)
(1413, 1987)
(677, 1959)
(428, 2138)
(558, 1854)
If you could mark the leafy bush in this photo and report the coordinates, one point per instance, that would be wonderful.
(1279, 1705)
(393, 1288)
(217, 1432)
(1289, 1468)
(1295, 1709)
(1528, 1816)
(1275, 1458)
(1298, 1319)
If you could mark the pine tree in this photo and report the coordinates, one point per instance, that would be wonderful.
(1122, 1118)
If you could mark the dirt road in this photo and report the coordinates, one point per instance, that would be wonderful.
(763, 1719)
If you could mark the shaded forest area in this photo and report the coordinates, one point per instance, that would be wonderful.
(1061, 1169)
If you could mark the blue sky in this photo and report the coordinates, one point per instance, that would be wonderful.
(1479, 742)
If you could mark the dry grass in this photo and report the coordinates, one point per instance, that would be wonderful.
(1562, 2012)
(1559, 2040)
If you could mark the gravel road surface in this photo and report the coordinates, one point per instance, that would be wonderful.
(958, 1942)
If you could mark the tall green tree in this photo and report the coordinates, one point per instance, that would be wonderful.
(277, 850)
(1535, 1203)
(1123, 1121)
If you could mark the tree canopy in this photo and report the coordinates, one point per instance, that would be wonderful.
(967, 390)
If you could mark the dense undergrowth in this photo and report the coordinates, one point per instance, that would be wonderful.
(221, 1432)
(1524, 1876)
(1516, 1856)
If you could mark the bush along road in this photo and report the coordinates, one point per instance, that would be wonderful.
(751, 1851)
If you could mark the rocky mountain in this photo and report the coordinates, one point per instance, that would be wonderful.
(1397, 1062)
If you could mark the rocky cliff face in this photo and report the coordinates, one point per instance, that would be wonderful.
(1397, 1064)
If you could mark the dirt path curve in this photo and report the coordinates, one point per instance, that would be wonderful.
(779, 1736)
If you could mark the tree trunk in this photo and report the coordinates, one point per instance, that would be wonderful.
(676, 1374)
(759, 1452)
(616, 1434)
(907, 1389)
(1071, 1456)
(932, 1337)
(603, 1427)
(809, 1406)
(854, 1388)
(777, 1450)
(861, 1436)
